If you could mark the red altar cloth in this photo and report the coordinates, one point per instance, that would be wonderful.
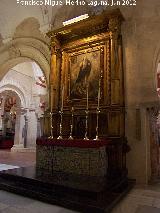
(73, 143)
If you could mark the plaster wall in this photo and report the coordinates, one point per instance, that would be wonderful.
(141, 44)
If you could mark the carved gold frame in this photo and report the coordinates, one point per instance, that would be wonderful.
(100, 43)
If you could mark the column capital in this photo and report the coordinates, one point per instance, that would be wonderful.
(114, 25)
(21, 111)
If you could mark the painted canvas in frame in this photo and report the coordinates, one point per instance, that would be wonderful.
(84, 70)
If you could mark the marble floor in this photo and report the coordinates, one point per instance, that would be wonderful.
(17, 158)
(138, 200)
(12, 203)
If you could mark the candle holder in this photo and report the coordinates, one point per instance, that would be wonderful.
(97, 125)
(87, 112)
(60, 125)
(71, 126)
(51, 125)
(98, 110)
(86, 127)
(61, 115)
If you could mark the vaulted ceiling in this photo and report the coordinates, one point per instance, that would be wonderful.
(13, 13)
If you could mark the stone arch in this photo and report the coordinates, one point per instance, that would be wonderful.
(22, 113)
(23, 49)
(17, 91)
(20, 105)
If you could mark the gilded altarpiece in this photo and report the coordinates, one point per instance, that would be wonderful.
(88, 53)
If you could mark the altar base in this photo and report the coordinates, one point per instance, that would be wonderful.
(88, 197)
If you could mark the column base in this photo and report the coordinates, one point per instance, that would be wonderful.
(20, 148)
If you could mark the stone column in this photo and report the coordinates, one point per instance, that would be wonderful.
(25, 130)
(2, 124)
(19, 130)
(39, 132)
(40, 121)
(2, 116)
(31, 130)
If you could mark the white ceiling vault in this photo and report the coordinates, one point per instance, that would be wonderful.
(12, 14)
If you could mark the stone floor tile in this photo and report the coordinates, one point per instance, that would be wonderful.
(151, 193)
(40, 207)
(131, 202)
(136, 191)
(126, 207)
(144, 200)
(14, 210)
(18, 204)
(17, 158)
(156, 203)
(147, 209)
(36, 209)
(153, 187)
(11, 199)
(3, 206)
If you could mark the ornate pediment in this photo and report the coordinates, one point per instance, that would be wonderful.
(96, 24)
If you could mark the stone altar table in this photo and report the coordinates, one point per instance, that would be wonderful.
(72, 156)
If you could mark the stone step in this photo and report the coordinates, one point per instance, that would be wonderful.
(27, 184)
